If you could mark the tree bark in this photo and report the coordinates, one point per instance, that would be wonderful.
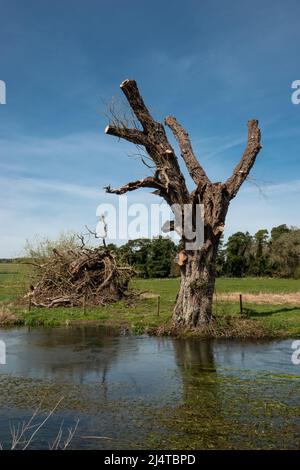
(195, 297)
(198, 268)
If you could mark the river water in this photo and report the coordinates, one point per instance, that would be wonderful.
(148, 392)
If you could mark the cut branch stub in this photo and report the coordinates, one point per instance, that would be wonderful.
(132, 135)
(131, 91)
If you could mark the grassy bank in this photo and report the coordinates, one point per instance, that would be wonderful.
(259, 319)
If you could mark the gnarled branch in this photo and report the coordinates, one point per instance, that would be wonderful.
(243, 168)
(196, 171)
(169, 181)
(132, 135)
(149, 182)
(154, 139)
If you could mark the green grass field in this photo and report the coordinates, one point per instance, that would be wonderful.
(279, 320)
(13, 281)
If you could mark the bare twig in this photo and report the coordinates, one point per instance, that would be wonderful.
(23, 434)
(42, 424)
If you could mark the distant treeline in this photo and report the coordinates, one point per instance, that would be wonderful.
(11, 260)
(275, 254)
(150, 258)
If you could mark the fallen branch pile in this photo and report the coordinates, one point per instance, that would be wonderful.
(79, 276)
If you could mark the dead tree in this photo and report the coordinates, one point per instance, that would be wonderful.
(198, 267)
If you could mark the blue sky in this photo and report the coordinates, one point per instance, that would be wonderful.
(213, 64)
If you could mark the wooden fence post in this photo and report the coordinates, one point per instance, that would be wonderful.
(84, 303)
(241, 304)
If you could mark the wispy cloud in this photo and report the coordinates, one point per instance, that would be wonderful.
(88, 157)
(31, 206)
(35, 186)
(274, 189)
(217, 147)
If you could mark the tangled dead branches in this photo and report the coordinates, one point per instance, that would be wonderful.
(72, 277)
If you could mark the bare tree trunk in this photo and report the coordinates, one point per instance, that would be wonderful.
(198, 267)
(194, 300)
